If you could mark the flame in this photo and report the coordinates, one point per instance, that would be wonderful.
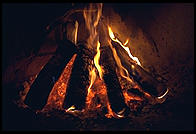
(96, 61)
(90, 93)
(160, 97)
(92, 75)
(70, 108)
(111, 34)
(91, 21)
(123, 71)
(126, 42)
(129, 97)
(76, 32)
(97, 87)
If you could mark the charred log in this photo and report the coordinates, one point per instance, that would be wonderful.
(79, 80)
(42, 86)
(114, 90)
(148, 83)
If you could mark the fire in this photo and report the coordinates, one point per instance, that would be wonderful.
(96, 61)
(70, 109)
(123, 71)
(76, 32)
(92, 20)
(93, 76)
(111, 34)
(57, 94)
(97, 87)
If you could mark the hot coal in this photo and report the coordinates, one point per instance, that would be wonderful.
(42, 86)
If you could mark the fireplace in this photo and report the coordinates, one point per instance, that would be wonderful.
(99, 66)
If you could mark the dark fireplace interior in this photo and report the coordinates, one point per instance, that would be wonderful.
(160, 35)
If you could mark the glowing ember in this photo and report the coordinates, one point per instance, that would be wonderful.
(92, 21)
(22, 94)
(56, 97)
(97, 97)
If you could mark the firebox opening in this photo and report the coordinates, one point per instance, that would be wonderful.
(98, 66)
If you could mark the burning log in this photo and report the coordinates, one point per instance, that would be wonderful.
(42, 86)
(79, 80)
(148, 83)
(114, 90)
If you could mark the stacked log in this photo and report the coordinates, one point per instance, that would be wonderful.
(42, 86)
(149, 84)
(79, 80)
(114, 91)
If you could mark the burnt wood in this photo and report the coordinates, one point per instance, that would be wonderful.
(148, 83)
(114, 90)
(42, 86)
(79, 80)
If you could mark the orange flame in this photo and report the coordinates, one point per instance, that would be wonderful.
(93, 76)
(123, 71)
(111, 34)
(96, 61)
(92, 20)
(70, 108)
(76, 32)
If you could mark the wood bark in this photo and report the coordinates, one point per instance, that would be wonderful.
(42, 86)
(79, 80)
(114, 91)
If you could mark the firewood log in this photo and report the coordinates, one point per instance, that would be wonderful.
(79, 80)
(148, 83)
(114, 91)
(42, 86)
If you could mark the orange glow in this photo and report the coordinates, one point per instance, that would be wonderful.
(97, 96)
(110, 113)
(76, 32)
(96, 87)
(92, 75)
(126, 42)
(96, 61)
(91, 21)
(71, 108)
(131, 97)
(56, 97)
(111, 34)
(123, 71)
(23, 93)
